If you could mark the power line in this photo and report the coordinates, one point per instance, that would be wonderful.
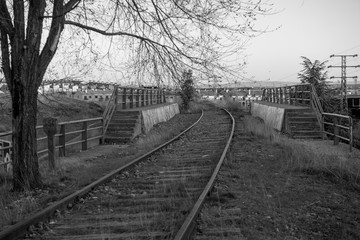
(325, 59)
(343, 89)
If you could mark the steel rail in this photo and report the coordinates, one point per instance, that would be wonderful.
(189, 224)
(20, 229)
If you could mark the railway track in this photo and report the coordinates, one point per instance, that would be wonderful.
(157, 196)
(221, 216)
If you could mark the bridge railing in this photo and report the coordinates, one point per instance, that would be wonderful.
(294, 95)
(127, 98)
(336, 125)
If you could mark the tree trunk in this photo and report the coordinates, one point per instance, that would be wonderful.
(26, 173)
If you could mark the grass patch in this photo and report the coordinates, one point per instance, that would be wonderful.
(314, 157)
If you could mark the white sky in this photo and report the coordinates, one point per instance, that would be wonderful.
(311, 28)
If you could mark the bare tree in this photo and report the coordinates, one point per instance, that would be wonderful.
(177, 34)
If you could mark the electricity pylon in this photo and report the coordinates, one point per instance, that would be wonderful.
(343, 88)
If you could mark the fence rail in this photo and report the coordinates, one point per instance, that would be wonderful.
(334, 123)
(73, 135)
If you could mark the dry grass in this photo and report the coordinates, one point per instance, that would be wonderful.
(64, 179)
(311, 156)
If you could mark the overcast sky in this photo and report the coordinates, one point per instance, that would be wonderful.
(311, 28)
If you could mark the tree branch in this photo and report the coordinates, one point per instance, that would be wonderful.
(121, 33)
(5, 57)
(57, 25)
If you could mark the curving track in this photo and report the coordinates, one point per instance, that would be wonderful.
(159, 197)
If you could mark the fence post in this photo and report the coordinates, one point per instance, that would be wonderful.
(143, 97)
(151, 96)
(124, 99)
(84, 136)
(336, 131)
(50, 130)
(137, 99)
(350, 133)
(281, 96)
(102, 139)
(62, 151)
(323, 127)
(163, 96)
(263, 98)
(131, 104)
(116, 95)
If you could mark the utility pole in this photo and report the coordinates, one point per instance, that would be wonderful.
(343, 88)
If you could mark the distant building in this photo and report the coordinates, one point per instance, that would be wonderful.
(92, 95)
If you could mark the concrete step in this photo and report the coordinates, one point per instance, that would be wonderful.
(126, 113)
(125, 123)
(302, 119)
(129, 115)
(301, 114)
(121, 127)
(304, 125)
(299, 110)
(122, 121)
(116, 140)
(119, 134)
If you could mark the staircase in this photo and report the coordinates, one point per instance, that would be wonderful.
(303, 124)
(123, 127)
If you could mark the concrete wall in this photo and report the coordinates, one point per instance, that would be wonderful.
(273, 116)
(151, 117)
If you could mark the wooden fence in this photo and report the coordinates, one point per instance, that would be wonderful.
(339, 127)
(69, 137)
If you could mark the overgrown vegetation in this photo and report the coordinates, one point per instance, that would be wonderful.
(74, 171)
(315, 73)
(187, 89)
(314, 157)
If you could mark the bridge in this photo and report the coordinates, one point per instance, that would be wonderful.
(294, 110)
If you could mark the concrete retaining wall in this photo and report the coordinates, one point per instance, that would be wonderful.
(151, 117)
(273, 116)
